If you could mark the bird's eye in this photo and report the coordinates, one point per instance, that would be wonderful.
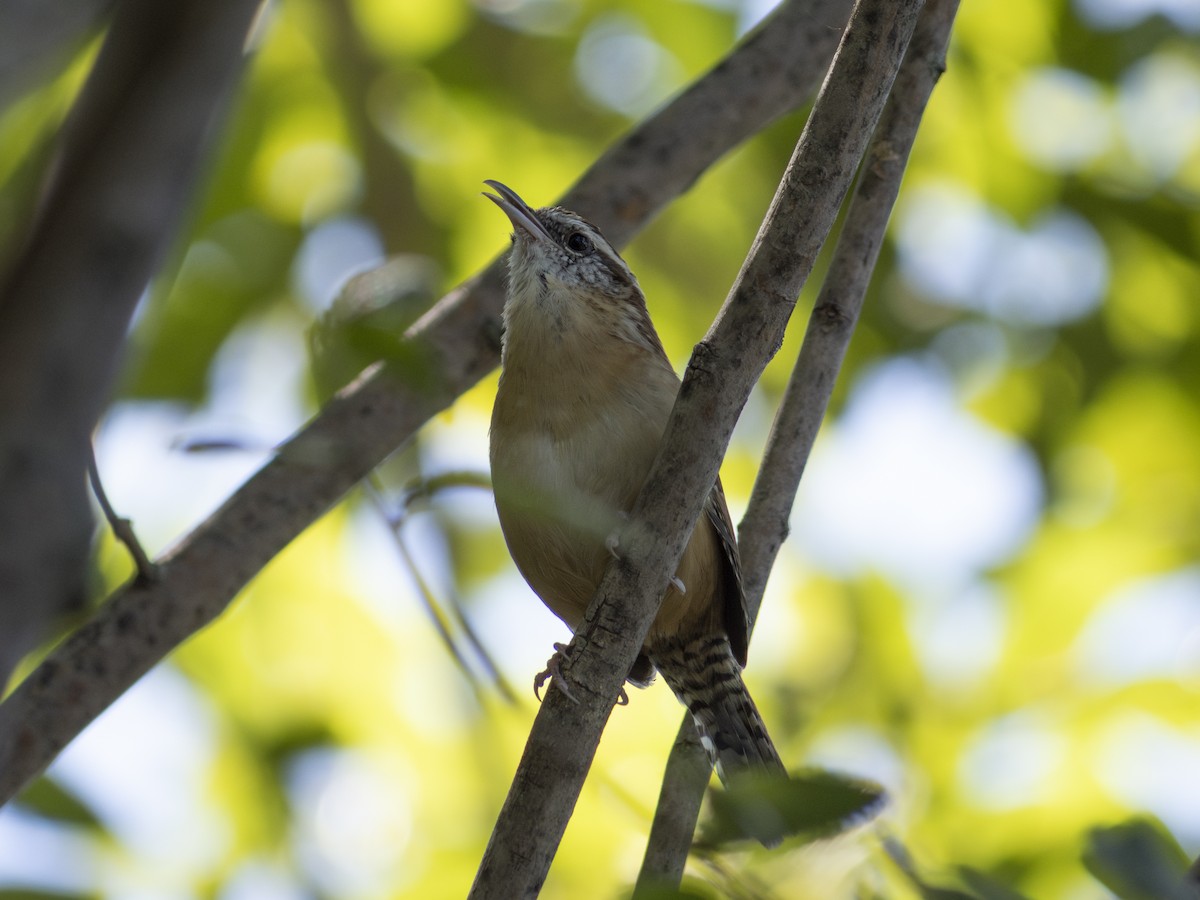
(579, 242)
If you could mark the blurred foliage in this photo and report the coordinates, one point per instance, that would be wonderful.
(808, 804)
(1043, 264)
(1137, 860)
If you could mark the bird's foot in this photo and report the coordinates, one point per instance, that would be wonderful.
(677, 583)
(613, 541)
(553, 671)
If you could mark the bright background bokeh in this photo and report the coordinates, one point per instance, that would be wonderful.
(990, 601)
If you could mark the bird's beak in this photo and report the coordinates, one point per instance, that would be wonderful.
(518, 211)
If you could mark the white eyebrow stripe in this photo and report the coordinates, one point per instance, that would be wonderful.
(614, 259)
(568, 221)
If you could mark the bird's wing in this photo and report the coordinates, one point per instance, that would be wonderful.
(736, 615)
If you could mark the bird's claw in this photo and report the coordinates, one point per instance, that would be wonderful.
(677, 583)
(611, 543)
(553, 671)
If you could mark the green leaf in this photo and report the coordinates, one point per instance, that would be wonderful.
(51, 800)
(367, 320)
(1139, 860)
(814, 804)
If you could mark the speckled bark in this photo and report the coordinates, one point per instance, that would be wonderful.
(723, 369)
(765, 525)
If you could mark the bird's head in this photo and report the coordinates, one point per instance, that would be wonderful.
(568, 277)
(557, 250)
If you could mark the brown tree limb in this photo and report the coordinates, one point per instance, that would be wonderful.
(774, 70)
(765, 526)
(720, 375)
(129, 154)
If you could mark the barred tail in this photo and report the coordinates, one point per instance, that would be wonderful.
(707, 679)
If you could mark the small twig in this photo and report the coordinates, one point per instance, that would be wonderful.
(424, 489)
(375, 494)
(481, 651)
(122, 528)
(395, 522)
(802, 408)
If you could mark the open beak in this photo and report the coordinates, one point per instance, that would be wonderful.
(518, 211)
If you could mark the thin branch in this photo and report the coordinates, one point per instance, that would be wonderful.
(122, 528)
(773, 71)
(376, 495)
(723, 369)
(426, 488)
(687, 774)
(836, 312)
(802, 408)
(482, 653)
(394, 521)
(129, 155)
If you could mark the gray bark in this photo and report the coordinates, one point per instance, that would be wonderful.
(802, 408)
(720, 375)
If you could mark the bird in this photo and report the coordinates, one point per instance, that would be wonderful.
(583, 399)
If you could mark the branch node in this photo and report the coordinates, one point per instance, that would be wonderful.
(833, 317)
(122, 528)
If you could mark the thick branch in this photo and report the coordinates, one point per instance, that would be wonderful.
(773, 71)
(836, 312)
(36, 39)
(723, 369)
(765, 525)
(128, 158)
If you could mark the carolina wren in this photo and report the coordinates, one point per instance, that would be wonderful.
(585, 392)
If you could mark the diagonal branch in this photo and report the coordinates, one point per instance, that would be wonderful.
(765, 525)
(723, 369)
(774, 70)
